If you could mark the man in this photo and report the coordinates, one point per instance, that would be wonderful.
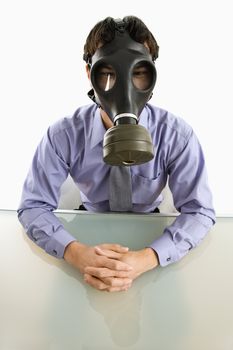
(120, 59)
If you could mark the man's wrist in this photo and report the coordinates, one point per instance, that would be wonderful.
(71, 251)
(152, 258)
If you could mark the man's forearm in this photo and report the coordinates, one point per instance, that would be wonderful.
(184, 234)
(45, 229)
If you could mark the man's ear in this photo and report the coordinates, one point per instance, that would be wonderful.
(88, 70)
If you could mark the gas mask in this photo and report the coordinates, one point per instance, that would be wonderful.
(123, 76)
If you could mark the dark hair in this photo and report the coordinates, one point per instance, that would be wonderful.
(104, 32)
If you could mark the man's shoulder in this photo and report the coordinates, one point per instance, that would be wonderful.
(165, 121)
(79, 120)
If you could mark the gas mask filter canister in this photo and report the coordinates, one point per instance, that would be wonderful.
(123, 76)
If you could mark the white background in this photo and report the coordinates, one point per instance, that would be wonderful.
(42, 76)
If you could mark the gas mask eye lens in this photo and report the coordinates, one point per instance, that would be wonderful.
(142, 75)
(105, 77)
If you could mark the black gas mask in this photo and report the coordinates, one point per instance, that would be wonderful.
(123, 76)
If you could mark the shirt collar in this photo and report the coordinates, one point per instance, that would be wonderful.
(144, 117)
(98, 128)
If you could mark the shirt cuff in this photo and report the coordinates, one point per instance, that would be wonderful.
(165, 249)
(58, 242)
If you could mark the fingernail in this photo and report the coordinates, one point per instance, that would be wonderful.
(98, 248)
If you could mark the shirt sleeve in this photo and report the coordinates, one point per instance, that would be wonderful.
(40, 195)
(192, 198)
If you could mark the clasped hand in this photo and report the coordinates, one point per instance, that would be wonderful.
(110, 267)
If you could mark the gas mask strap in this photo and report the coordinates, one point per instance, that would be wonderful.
(150, 97)
(119, 25)
(91, 95)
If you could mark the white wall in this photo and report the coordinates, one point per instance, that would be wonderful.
(42, 76)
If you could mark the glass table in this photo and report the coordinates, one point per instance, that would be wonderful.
(46, 305)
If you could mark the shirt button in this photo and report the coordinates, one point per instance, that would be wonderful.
(55, 252)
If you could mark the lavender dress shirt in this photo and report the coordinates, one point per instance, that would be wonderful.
(74, 146)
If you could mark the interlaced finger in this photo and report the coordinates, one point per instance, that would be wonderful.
(95, 282)
(108, 253)
(113, 264)
(116, 282)
(102, 272)
(115, 247)
(100, 285)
